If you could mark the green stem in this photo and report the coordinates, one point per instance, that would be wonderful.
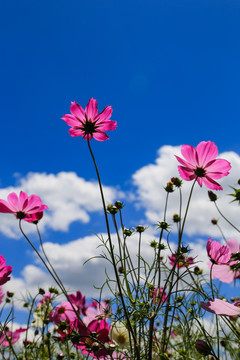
(113, 257)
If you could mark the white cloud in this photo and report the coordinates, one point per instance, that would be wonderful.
(69, 198)
(68, 261)
(151, 179)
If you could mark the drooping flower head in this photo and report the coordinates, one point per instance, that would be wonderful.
(230, 271)
(22, 206)
(88, 123)
(201, 164)
(218, 254)
(221, 307)
(5, 271)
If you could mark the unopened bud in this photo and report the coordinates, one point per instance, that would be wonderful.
(202, 347)
(212, 196)
(119, 205)
(140, 228)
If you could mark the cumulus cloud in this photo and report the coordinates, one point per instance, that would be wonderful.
(69, 198)
(150, 180)
(70, 262)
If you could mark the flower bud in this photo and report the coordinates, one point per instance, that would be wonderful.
(176, 181)
(202, 347)
(127, 232)
(212, 196)
(197, 270)
(41, 291)
(121, 270)
(119, 205)
(214, 221)
(169, 187)
(140, 228)
(176, 218)
(112, 209)
(10, 294)
(163, 225)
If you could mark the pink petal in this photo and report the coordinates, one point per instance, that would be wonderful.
(108, 125)
(185, 163)
(23, 200)
(219, 168)
(2, 262)
(5, 207)
(100, 136)
(221, 307)
(91, 109)
(223, 273)
(77, 110)
(76, 132)
(186, 173)
(105, 115)
(71, 120)
(211, 184)
(189, 152)
(233, 245)
(13, 201)
(206, 151)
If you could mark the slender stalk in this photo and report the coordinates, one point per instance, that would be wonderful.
(112, 255)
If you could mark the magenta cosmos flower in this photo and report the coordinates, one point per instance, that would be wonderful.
(8, 337)
(218, 254)
(230, 271)
(201, 164)
(23, 205)
(5, 271)
(63, 312)
(221, 307)
(88, 123)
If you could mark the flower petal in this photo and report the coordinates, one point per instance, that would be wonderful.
(100, 136)
(77, 110)
(218, 168)
(221, 307)
(206, 151)
(91, 109)
(105, 115)
(189, 152)
(71, 120)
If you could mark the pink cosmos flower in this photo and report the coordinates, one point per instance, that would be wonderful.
(5, 271)
(227, 272)
(63, 312)
(88, 123)
(47, 297)
(2, 294)
(183, 261)
(158, 295)
(23, 206)
(221, 307)
(94, 338)
(201, 164)
(34, 218)
(219, 254)
(79, 301)
(97, 311)
(8, 337)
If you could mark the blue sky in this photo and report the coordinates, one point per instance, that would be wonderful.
(169, 69)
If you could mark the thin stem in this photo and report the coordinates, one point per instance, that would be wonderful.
(113, 257)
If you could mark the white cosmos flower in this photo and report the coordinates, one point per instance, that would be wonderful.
(119, 334)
